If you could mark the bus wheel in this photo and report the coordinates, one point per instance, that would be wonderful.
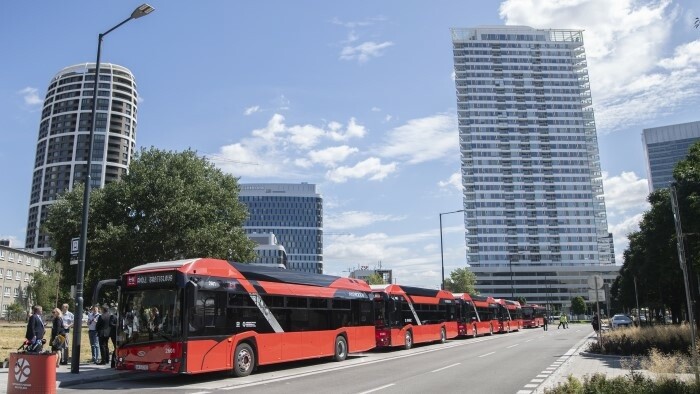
(341, 348)
(443, 336)
(408, 340)
(243, 360)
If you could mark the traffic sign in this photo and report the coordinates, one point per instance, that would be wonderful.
(591, 295)
(74, 245)
(595, 282)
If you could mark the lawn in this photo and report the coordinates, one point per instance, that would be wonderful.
(12, 337)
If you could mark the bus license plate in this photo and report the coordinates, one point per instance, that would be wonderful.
(142, 367)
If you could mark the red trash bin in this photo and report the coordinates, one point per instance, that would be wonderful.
(32, 373)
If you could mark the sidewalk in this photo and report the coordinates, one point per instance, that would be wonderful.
(64, 377)
(582, 363)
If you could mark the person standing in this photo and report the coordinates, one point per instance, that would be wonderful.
(35, 329)
(68, 320)
(113, 337)
(92, 333)
(544, 322)
(562, 321)
(103, 332)
(57, 329)
(595, 322)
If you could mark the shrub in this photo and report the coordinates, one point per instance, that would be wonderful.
(638, 341)
(634, 383)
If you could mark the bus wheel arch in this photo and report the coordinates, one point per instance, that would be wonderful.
(340, 347)
(408, 340)
(244, 359)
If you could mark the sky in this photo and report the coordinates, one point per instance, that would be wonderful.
(355, 97)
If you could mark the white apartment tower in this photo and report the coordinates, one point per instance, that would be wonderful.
(535, 217)
(64, 129)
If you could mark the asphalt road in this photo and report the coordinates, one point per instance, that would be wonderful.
(505, 363)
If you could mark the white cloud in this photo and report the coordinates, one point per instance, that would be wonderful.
(632, 80)
(376, 109)
(423, 139)
(30, 96)
(275, 126)
(353, 130)
(625, 193)
(329, 157)
(387, 118)
(305, 136)
(251, 110)
(371, 168)
(363, 52)
(355, 219)
(455, 181)
(620, 231)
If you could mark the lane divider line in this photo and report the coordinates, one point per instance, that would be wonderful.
(378, 388)
(443, 368)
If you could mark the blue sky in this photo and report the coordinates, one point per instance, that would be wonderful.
(356, 97)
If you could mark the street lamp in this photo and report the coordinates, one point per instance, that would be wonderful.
(140, 11)
(442, 256)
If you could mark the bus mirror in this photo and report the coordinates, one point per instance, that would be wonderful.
(190, 294)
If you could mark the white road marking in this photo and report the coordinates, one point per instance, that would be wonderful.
(537, 380)
(531, 386)
(378, 388)
(524, 392)
(529, 340)
(517, 344)
(487, 354)
(449, 366)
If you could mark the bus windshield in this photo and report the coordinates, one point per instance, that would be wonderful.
(149, 315)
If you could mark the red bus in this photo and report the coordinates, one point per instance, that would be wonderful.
(533, 315)
(407, 315)
(488, 311)
(516, 315)
(204, 315)
(471, 322)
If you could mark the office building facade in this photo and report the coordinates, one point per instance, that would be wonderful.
(664, 147)
(64, 128)
(294, 213)
(535, 219)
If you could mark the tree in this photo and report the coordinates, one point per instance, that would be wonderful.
(44, 289)
(375, 279)
(169, 206)
(578, 305)
(461, 280)
(16, 312)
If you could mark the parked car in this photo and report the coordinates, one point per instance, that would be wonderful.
(620, 320)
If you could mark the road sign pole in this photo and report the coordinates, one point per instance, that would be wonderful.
(597, 304)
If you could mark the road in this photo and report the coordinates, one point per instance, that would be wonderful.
(506, 363)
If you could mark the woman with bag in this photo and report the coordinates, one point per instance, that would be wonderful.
(58, 333)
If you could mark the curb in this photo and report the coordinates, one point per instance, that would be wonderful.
(555, 375)
(87, 379)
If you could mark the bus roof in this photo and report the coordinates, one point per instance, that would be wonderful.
(412, 291)
(217, 267)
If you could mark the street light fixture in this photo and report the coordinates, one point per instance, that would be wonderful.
(140, 11)
(442, 256)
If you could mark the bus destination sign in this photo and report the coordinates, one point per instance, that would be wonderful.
(150, 279)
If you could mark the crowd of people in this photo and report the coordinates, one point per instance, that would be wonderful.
(102, 328)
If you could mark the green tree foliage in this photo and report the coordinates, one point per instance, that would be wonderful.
(521, 300)
(375, 279)
(170, 206)
(44, 287)
(578, 305)
(16, 312)
(461, 280)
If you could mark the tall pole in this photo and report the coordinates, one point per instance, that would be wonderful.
(636, 299)
(140, 11)
(442, 255)
(684, 268)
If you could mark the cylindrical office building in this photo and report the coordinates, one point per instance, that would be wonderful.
(64, 131)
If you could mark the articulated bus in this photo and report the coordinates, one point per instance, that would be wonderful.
(516, 315)
(407, 315)
(487, 311)
(533, 315)
(202, 315)
(470, 322)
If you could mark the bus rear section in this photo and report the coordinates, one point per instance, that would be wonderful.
(487, 315)
(516, 314)
(406, 315)
(533, 315)
(467, 316)
(205, 315)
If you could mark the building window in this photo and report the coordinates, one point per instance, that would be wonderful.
(29, 260)
(16, 292)
(11, 257)
(26, 277)
(2, 254)
(9, 274)
(19, 259)
(18, 275)
(7, 292)
(1, 272)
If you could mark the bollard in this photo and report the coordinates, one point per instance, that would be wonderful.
(32, 373)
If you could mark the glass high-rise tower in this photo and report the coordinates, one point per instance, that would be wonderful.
(664, 147)
(64, 129)
(535, 216)
(293, 212)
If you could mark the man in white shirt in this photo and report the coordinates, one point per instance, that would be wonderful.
(68, 320)
(92, 332)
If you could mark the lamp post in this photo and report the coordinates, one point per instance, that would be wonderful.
(512, 288)
(140, 11)
(442, 256)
